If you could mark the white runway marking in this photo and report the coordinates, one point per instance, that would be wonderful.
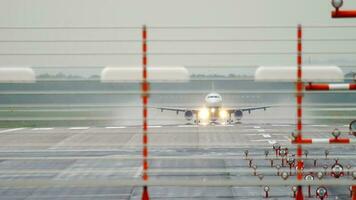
(266, 135)
(187, 126)
(138, 172)
(256, 127)
(154, 126)
(261, 140)
(271, 141)
(184, 126)
(320, 125)
(42, 129)
(261, 130)
(79, 128)
(281, 125)
(11, 130)
(115, 127)
(221, 125)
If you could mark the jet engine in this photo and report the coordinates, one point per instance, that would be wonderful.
(188, 115)
(238, 114)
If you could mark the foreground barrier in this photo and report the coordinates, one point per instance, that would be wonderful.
(317, 87)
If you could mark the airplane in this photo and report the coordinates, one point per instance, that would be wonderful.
(213, 111)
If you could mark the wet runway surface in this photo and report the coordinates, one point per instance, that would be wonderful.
(177, 152)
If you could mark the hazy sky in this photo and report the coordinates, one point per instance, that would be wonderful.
(165, 12)
(171, 13)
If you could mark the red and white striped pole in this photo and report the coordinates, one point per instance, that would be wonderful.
(343, 13)
(354, 192)
(343, 86)
(299, 96)
(325, 141)
(145, 87)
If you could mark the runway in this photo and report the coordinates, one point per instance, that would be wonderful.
(177, 152)
(161, 136)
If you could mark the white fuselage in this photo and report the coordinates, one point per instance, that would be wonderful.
(213, 100)
(213, 104)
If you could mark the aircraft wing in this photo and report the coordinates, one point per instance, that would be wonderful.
(230, 110)
(248, 109)
(177, 110)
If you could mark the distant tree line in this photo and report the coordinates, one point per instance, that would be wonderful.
(61, 75)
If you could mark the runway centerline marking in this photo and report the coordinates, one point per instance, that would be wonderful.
(154, 126)
(115, 127)
(78, 128)
(187, 126)
(266, 135)
(271, 141)
(261, 130)
(281, 125)
(320, 125)
(42, 129)
(11, 130)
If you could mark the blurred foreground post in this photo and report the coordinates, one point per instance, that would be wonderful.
(145, 96)
(299, 96)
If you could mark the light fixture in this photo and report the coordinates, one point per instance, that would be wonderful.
(284, 175)
(321, 192)
(266, 188)
(309, 177)
(337, 3)
(336, 133)
(337, 170)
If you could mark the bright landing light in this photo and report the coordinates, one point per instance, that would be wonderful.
(223, 114)
(204, 113)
